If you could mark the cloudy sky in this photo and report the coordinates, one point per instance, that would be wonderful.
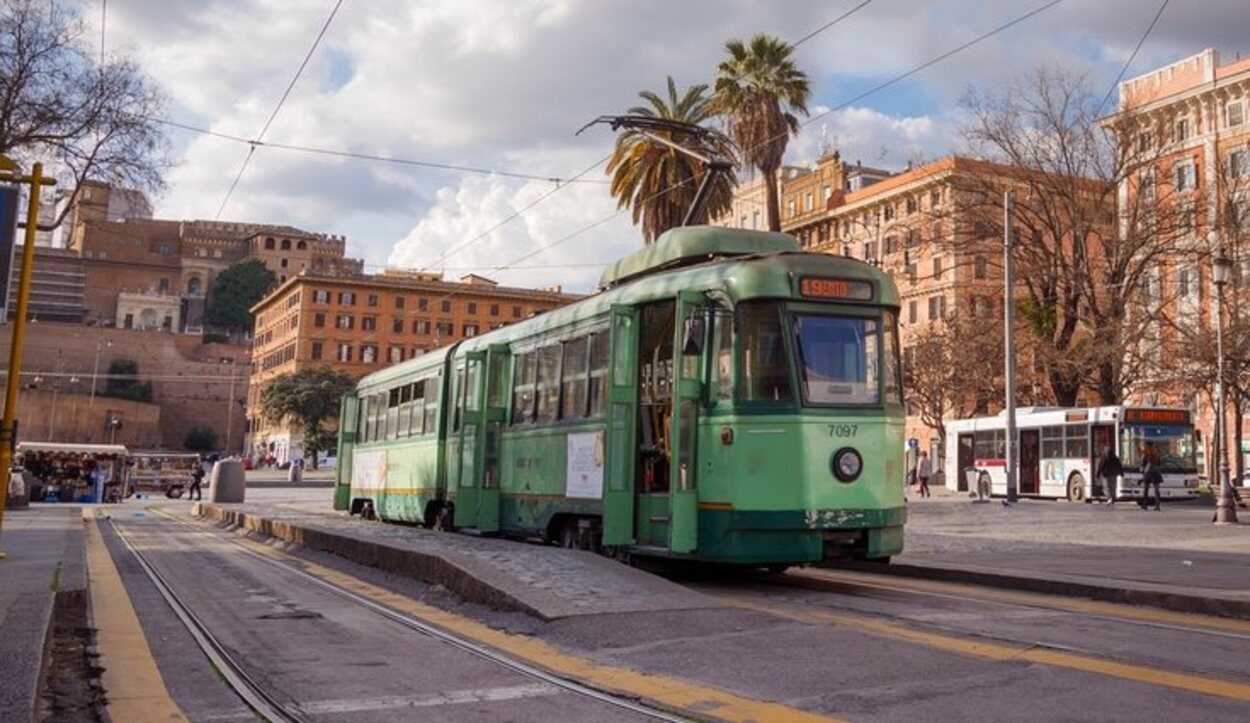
(504, 84)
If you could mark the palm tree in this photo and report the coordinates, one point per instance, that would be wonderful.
(659, 182)
(759, 90)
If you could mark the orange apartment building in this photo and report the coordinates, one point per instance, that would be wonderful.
(362, 324)
(1191, 121)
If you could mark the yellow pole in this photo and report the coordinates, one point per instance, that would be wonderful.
(7, 430)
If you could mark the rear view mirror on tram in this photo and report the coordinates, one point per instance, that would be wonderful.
(693, 335)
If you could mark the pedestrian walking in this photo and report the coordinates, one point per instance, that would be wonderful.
(1151, 476)
(1109, 470)
(924, 470)
(197, 478)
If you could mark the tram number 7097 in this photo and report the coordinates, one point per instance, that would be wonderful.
(843, 430)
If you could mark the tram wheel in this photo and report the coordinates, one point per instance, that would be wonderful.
(366, 511)
(568, 535)
(778, 569)
(1076, 487)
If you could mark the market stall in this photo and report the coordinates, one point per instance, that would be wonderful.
(60, 472)
(166, 473)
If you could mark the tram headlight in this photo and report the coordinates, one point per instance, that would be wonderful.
(847, 464)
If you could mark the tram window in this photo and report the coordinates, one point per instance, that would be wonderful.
(362, 421)
(472, 401)
(431, 403)
(405, 410)
(523, 388)
(1077, 445)
(547, 390)
(889, 349)
(765, 374)
(574, 380)
(838, 359)
(722, 340)
(457, 399)
(598, 373)
(392, 414)
(378, 422)
(1052, 442)
(414, 411)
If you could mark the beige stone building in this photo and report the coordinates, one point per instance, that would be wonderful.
(361, 324)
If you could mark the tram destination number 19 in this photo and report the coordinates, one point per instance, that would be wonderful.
(843, 430)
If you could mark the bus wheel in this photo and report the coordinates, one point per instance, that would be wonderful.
(1076, 487)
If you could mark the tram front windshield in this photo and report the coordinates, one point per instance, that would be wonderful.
(1172, 445)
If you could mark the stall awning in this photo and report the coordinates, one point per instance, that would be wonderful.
(62, 447)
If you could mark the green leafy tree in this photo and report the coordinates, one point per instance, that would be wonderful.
(659, 182)
(200, 438)
(61, 104)
(235, 291)
(762, 92)
(123, 382)
(308, 398)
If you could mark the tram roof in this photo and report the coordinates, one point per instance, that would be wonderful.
(693, 244)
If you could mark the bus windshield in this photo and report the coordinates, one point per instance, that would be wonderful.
(1173, 443)
(840, 358)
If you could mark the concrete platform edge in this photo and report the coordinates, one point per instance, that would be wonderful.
(430, 569)
(1145, 595)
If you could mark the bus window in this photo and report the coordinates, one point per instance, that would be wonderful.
(1052, 442)
(574, 380)
(599, 373)
(523, 388)
(547, 389)
(1077, 446)
(765, 373)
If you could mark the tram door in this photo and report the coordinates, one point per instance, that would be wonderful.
(467, 422)
(490, 427)
(689, 342)
(621, 450)
(349, 411)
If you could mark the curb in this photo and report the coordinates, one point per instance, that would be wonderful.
(430, 569)
(1145, 595)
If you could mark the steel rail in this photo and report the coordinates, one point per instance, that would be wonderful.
(481, 651)
(236, 677)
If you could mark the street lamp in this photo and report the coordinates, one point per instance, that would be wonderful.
(1225, 509)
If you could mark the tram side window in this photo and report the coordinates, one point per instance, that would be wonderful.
(432, 389)
(405, 410)
(413, 412)
(1052, 442)
(547, 390)
(392, 413)
(723, 339)
(1077, 445)
(362, 421)
(523, 388)
(574, 379)
(889, 349)
(765, 374)
(599, 373)
(378, 417)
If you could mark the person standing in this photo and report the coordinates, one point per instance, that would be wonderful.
(924, 470)
(197, 478)
(1151, 476)
(1109, 469)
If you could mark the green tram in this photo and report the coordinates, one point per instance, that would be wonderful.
(724, 398)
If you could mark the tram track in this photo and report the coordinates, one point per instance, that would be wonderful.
(268, 705)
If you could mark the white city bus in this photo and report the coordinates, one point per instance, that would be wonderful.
(1058, 451)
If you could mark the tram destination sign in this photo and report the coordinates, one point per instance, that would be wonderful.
(820, 287)
(1156, 416)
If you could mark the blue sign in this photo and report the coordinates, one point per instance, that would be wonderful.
(10, 200)
(913, 443)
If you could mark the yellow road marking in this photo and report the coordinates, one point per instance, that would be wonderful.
(132, 680)
(672, 693)
(1091, 607)
(1004, 652)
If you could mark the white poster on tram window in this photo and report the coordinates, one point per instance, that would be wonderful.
(584, 466)
(369, 470)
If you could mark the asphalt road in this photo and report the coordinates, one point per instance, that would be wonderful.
(850, 646)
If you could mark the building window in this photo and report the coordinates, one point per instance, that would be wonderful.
(982, 307)
(321, 297)
(423, 304)
(1234, 113)
(980, 268)
(935, 198)
(315, 353)
(163, 287)
(395, 354)
(397, 325)
(790, 208)
(911, 205)
(445, 329)
(345, 321)
(369, 353)
(494, 309)
(827, 194)
(755, 220)
(1186, 218)
(286, 244)
(399, 302)
(911, 311)
(421, 326)
(937, 307)
(937, 267)
(470, 330)
(809, 201)
(345, 352)
(1144, 142)
(1182, 129)
(369, 323)
(347, 298)
(1183, 175)
(472, 307)
(1237, 161)
(516, 312)
(446, 306)
(373, 300)
(269, 244)
(319, 320)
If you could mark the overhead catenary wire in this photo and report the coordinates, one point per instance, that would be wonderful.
(1132, 56)
(830, 24)
(251, 151)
